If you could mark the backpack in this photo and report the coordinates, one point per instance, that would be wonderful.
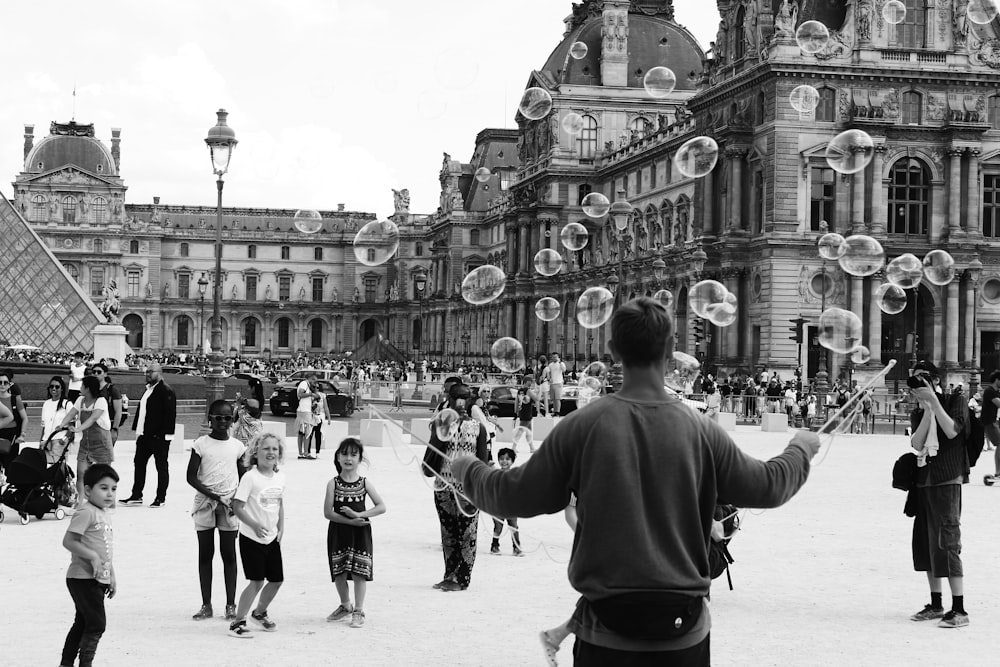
(719, 558)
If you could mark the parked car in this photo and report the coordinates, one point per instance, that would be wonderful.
(180, 370)
(505, 397)
(339, 395)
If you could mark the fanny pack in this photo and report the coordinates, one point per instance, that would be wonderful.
(651, 615)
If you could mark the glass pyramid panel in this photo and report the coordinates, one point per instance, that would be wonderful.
(40, 304)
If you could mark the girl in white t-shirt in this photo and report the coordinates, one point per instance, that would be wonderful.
(94, 428)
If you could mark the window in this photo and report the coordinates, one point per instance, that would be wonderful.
(826, 108)
(909, 111)
(419, 250)
(761, 109)
(506, 176)
(991, 205)
(822, 195)
(284, 333)
(910, 33)
(251, 251)
(584, 190)
(185, 250)
(909, 198)
(738, 42)
(318, 254)
(284, 288)
(69, 209)
(184, 285)
(96, 280)
(73, 272)
(474, 237)
(315, 334)
(251, 286)
(317, 284)
(250, 333)
(586, 142)
(98, 246)
(183, 332)
(132, 284)
(39, 209)
(638, 128)
(133, 247)
(286, 252)
(371, 285)
(993, 112)
(652, 176)
(371, 256)
(100, 208)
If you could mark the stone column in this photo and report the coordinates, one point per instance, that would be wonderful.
(858, 300)
(879, 210)
(875, 321)
(754, 206)
(708, 205)
(735, 217)
(973, 199)
(951, 330)
(730, 340)
(858, 203)
(954, 192)
(746, 322)
(970, 322)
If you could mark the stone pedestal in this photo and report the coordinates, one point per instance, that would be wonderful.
(776, 422)
(333, 434)
(420, 427)
(727, 420)
(278, 428)
(109, 344)
(542, 426)
(381, 433)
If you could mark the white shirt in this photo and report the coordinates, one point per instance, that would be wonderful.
(52, 416)
(262, 496)
(556, 370)
(76, 375)
(305, 394)
(142, 408)
(104, 421)
(218, 469)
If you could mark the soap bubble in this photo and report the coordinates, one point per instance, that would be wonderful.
(536, 103)
(894, 12)
(839, 330)
(521, 437)
(804, 98)
(595, 205)
(507, 354)
(861, 355)
(594, 307)
(574, 236)
(812, 37)
(484, 284)
(831, 246)
(445, 424)
(578, 50)
(659, 82)
(483, 174)
(572, 123)
(597, 369)
(591, 382)
(547, 309)
(862, 256)
(685, 368)
(376, 242)
(939, 267)
(705, 294)
(722, 314)
(904, 271)
(696, 157)
(850, 151)
(548, 262)
(982, 12)
(665, 297)
(584, 396)
(308, 222)
(891, 299)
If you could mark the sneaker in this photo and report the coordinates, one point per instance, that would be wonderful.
(990, 480)
(131, 500)
(954, 619)
(340, 612)
(203, 613)
(441, 584)
(928, 613)
(518, 552)
(230, 612)
(450, 586)
(159, 502)
(261, 619)
(357, 619)
(240, 630)
(495, 549)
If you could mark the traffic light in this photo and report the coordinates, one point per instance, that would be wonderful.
(797, 329)
(699, 329)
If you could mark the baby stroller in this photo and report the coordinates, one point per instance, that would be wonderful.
(33, 489)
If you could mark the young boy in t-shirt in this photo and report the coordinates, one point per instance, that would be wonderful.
(506, 458)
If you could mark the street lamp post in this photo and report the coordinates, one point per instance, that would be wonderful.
(466, 337)
(202, 289)
(419, 283)
(698, 259)
(221, 141)
(975, 271)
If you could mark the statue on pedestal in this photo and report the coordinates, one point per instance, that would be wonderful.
(111, 304)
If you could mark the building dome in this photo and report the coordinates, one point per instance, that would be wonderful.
(77, 148)
(653, 41)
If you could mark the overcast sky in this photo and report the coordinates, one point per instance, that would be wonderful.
(332, 102)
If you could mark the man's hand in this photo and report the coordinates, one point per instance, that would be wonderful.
(925, 395)
(808, 441)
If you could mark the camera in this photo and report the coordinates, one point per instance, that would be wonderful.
(915, 382)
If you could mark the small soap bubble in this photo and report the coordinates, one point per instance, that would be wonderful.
(804, 98)
(484, 284)
(594, 307)
(483, 174)
(891, 299)
(591, 383)
(850, 151)
(548, 262)
(659, 82)
(521, 438)
(839, 330)
(376, 242)
(584, 396)
(905, 271)
(685, 368)
(939, 267)
(861, 355)
(308, 221)
(665, 297)
(572, 123)
(831, 246)
(444, 424)
(547, 309)
(574, 236)
(696, 157)
(982, 12)
(595, 205)
(862, 256)
(578, 50)
(722, 314)
(597, 369)
(894, 12)
(705, 294)
(812, 37)
(536, 103)
(507, 355)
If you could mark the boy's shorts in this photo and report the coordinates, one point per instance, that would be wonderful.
(261, 561)
(208, 514)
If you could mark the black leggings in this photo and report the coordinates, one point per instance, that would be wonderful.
(206, 553)
(317, 434)
(89, 622)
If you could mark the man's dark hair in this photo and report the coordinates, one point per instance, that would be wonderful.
(641, 331)
(9, 373)
(92, 384)
(994, 376)
(97, 472)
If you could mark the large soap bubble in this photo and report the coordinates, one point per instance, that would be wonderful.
(594, 307)
(696, 157)
(891, 299)
(446, 425)
(483, 174)
(572, 123)
(904, 271)
(850, 151)
(548, 262)
(722, 314)
(705, 294)
(894, 12)
(308, 221)
(507, 355)
(862, 256)
(685, 369)
(665, 297)
(839, 330)
(574, 236)
(659, 82)
(804, 98)
(484, 284)
(547, 309)
(831, 246)
(939, 267)
(536, 103)
(595, 205)
(981, 12)
(376, 242)
(812, 37)
(578, 50)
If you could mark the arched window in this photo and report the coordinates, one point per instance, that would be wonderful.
(739, 45)
(73, 272)
(133, 247)
(826, 109)
(909, 34)
(39, 209)
(667, 221)
(185, 249)
(251, 251)
(69, 208)
(183, 332)
(640, 127)
(586, 142)
(284, 333)
(761, 114)
(909, 108)
(98, 246)
(100, 207)
(991, 205)
(316, 334)
(909, 198)
(250, 332)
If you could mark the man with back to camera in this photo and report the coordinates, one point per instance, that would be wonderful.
(991, 402)
(651, 606)
(154, 425)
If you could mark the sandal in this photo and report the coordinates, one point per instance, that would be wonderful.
(550, 648)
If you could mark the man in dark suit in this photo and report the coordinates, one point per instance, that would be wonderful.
(154, 428)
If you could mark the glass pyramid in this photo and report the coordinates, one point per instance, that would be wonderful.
(40, 304)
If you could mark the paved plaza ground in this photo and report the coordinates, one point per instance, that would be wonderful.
(825, 580)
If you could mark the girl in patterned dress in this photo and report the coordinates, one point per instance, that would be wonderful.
(349, 537)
